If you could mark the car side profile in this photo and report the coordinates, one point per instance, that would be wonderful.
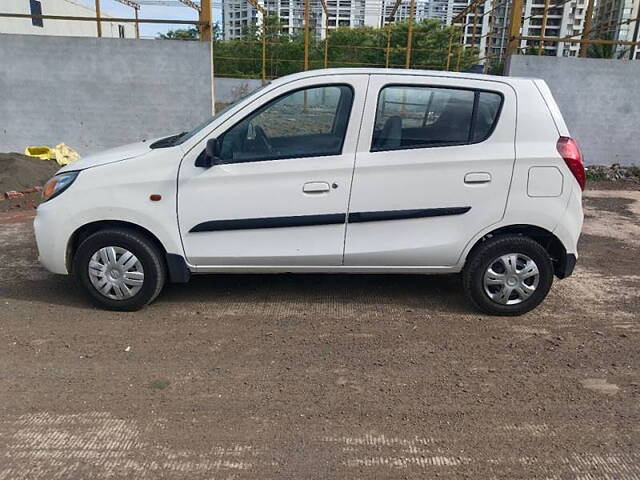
(341, 171)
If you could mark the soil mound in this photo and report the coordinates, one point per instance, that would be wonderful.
(19, 172)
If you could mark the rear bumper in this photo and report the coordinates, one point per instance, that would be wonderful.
(565, 267)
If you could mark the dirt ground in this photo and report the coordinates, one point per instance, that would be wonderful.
(325, 376)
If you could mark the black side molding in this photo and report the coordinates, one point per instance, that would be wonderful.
(357, 217)
(328, 219)
(272, 222)
(177, 268)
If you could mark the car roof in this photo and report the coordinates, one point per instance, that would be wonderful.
(401, 71)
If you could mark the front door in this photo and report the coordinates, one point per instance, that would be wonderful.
(280, 195)
(433, 169)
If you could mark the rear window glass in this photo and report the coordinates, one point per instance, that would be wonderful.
(486, 114)
(415, 117)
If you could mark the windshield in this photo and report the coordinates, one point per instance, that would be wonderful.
(187, 135)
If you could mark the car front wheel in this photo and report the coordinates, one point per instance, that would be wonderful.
(120, 269)
(508, 275)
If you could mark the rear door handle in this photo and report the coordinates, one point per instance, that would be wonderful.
(316, 187)
(477, 177)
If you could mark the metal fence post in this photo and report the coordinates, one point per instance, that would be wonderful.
(450, 46)
(488, 57)
(636, 32)
(136, 10)
(306, 34)
(515, 25)
(475, 25)
(263, 13)
(388, 50)
(586, 31)
(98, 23)
(462, 43)
(543, 31)
(264, 47)
(326, 32)
(205, 16)
(412, 12)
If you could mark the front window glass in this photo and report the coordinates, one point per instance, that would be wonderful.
(183, 137)
(305, 123)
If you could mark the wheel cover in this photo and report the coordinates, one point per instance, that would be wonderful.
(511, 279)
(116, 273)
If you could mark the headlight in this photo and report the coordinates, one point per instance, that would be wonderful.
(57, 185)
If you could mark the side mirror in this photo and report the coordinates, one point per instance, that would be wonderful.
(211, 154)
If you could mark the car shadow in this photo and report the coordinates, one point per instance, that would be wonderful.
(435, 292)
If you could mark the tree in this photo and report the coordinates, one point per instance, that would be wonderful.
(347, 47)
(181, 34)
(599, 50)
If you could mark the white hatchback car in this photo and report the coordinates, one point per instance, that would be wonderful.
(344, 170)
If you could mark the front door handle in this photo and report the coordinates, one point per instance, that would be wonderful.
(477, 177)
(316, 187)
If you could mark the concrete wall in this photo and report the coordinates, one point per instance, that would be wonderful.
(229, 90)
(94, 93)
(599, 102)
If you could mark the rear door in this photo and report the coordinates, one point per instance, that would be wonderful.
(433, 168)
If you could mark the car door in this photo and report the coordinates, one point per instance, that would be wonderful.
(280, 194)
(433, 168)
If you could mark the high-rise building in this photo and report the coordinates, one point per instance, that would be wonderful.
(238, 14)
(492, 29)
(615, 20)
(566, 20)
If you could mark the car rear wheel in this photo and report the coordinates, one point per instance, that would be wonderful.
(508, 275)
(120, 269)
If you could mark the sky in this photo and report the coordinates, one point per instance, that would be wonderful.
(115, 9)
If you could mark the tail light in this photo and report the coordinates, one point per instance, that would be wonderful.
(570, 151)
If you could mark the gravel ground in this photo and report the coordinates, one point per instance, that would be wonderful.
(325, 376)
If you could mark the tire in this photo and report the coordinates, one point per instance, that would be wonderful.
(503, 290)
(132, 281)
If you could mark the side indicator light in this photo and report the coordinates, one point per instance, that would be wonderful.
(155, 197)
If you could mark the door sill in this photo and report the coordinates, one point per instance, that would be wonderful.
(321, 269)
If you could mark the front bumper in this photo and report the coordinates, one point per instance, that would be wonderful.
(51, 239)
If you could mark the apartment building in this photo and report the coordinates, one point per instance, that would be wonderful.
(238, 14)
(69, 28)
(492, 29)
(615, 19)
(566, 20)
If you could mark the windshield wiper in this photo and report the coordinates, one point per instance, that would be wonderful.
(167, 141)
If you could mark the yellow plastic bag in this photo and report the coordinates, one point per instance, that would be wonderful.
(63, 154)
(43, 152)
